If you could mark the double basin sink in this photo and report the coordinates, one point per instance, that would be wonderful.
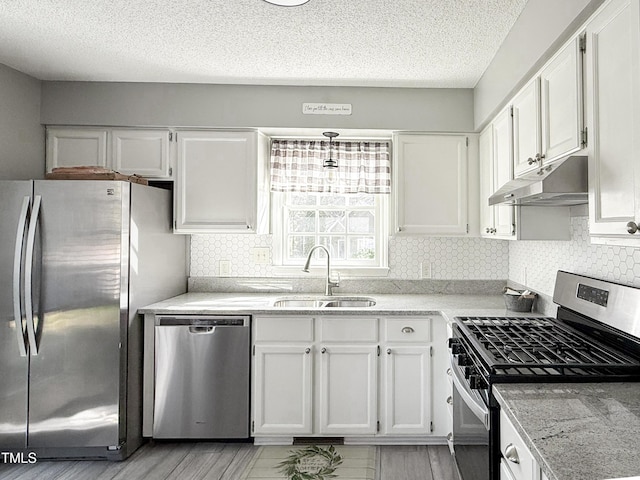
(324, 302)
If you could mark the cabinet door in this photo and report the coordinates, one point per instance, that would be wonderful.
(431, 184)
(485, 152)
(348, 385)
(407, 390)
(76, 147)
(503, 171)
(216, 182)
(561, 103)
(282, 380)
(526, 128)
(141, 152)
(613, 118)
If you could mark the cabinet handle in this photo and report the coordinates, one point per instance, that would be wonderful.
(307, 350)
(450, 400)
(388, 351)
(511, 453)
(632, 227)
(407, 330)
(324, 350)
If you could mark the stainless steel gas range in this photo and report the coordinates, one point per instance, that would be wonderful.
(595, 337)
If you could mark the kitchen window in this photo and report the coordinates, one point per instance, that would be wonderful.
(346, 209)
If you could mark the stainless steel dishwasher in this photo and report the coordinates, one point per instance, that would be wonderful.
(202, 367)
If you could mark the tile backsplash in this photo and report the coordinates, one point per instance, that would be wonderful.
(535, 264)
(410, 257)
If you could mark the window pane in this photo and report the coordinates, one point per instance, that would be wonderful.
(302, 221)
(333, 200)
(336, 245)
(302, 199)
(362, 199)
(361, 222)
(362, 247)
(331, 221)
(299, 245)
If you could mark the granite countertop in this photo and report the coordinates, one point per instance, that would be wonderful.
(578, 431)
(226, 303)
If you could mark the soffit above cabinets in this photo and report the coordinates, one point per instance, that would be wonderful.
(406, 43)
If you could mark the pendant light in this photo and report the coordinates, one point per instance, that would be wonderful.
(330, 165)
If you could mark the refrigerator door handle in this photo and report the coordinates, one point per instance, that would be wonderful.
(17, 264)
(28, 282)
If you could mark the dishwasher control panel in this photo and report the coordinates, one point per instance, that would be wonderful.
(203, 321)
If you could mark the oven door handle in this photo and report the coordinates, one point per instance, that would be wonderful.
(478, 408)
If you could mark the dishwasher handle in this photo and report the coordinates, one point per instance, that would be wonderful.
(202, 323)
(200, 330)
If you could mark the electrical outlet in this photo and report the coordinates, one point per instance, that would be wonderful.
(224, 268)
(260, 255)
(425, 269)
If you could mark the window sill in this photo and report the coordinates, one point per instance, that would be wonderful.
(345, 272)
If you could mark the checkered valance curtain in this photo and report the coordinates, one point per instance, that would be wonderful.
(363, 167)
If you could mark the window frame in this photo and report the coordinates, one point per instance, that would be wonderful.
(285, 266)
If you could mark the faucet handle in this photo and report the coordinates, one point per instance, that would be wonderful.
(335, 282)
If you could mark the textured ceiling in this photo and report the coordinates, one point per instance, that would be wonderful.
(405, 43)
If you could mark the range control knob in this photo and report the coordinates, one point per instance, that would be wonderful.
(455, 346)
(476, 382)
(464, 360)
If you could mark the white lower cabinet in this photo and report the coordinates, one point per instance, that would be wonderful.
(347, 390)
(352, 376)
(282, 396)
(517, 462)
(407, 390)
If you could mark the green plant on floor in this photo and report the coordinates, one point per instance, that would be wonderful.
(311, 463)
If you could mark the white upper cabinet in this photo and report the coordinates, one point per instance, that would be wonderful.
(613, 121)
(76, 147)
(430, 184)
(217, 182)
(547, 112)
(526, 128)
(561, 103)
(495, 171)
(141, 152)
(130, 151)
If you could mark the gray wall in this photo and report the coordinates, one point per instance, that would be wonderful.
(199, 105)
(542, 27)
(21, 135)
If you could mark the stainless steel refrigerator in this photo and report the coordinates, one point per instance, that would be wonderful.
(77, 259)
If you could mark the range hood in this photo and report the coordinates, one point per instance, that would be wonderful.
(561, 183)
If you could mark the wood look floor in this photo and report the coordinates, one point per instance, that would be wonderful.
(221, 461)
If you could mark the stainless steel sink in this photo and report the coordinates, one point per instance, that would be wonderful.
(324, 302)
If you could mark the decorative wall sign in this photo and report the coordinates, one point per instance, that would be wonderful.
(326, 108)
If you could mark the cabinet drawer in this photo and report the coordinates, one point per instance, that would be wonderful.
(513, 449)
(407, 330)
(283, 329)
(348, 329)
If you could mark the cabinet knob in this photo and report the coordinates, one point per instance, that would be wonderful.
(632, 227)
(511, 453)
(388, 351)
(324, 350)
(537, 159)
(307, 350)
(449, 372)
(407, 330)
(450, 400)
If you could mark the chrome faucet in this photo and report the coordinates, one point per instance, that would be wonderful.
(328, 290)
